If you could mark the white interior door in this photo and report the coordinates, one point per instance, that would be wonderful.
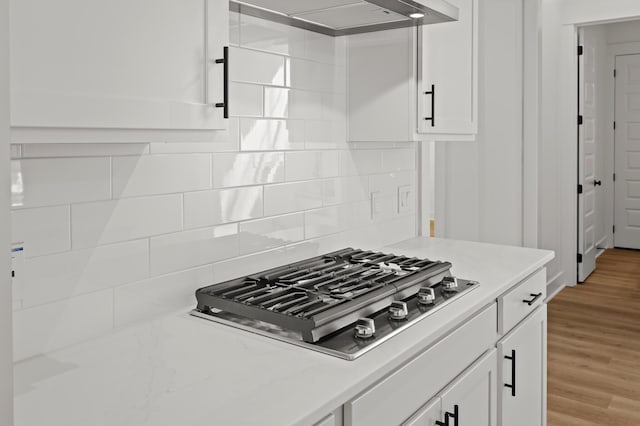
(627, 152)
(587, 157)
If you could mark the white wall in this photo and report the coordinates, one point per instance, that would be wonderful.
(558, 147)
(6, 365)
(117, 233)
(479, 184)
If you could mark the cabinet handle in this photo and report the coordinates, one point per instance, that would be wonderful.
(445, 423)
(512, 386)
(454, 415)
(225, 63)
(433, 105)
(532, 301)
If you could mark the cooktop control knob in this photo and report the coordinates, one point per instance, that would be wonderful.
(398, 310)
(426, 296)
(365, 328)
(449, 283)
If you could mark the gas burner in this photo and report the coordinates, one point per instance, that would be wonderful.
(342, 303)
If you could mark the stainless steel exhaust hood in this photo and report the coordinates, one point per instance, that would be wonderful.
(342, 17)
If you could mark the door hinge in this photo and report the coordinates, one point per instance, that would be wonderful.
(614, 177)
(614, 125)
(614, 73)
(579, 189)
(579, 120)
(614, 229)
(579, 258)
(580, 50)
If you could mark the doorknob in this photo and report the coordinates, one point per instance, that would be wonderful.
(597, 182)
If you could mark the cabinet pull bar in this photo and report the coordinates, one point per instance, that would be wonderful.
(225, 101)
(532, 301)
(453, 415)
(432, 92)
(512, 386)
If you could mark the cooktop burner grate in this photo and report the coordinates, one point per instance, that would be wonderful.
(318, 296)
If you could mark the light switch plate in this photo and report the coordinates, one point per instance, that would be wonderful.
(405, 192)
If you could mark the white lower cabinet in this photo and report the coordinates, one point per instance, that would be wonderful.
(522, 372)
(469, 401)
(473, 376)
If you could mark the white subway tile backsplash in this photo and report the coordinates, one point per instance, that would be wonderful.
(160, 174)
(292, 197)
(304, 165)
(345, 190)
(387, 184)
(276, 102)
(322, 134)
(245, 100)
(326, 49)
(220, 141)
(47, 182)
(64, 275)
(273, 232)
(161, 295)
(310, 75)
(197, 247)
(107, 222)
(251, 66)
(53, 326)
(304, 104)
(52, 150)
(267, 135)
(206, 208)
(398, 159)
(247, 169)
(327, 220)
(43, 230)
(361, 162)
(259, 34)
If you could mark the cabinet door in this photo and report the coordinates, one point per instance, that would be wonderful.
(142, 64)
(471, 399)
(426, 416)
(449, 63)
(522, 376)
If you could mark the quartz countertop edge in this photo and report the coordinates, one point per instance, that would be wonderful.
(180, 369)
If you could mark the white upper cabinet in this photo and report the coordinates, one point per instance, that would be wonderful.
(124, 64)
(447, 77)
(390, 73)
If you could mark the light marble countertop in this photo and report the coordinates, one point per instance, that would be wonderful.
(181, 370)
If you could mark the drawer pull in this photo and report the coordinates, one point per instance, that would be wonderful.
(532, 301)
(512, 386)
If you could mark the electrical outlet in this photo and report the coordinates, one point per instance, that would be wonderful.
(405, 195)
(17, 274)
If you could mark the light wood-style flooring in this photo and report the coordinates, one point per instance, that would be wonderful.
(594, 346)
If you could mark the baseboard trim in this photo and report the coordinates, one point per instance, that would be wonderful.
(555, 286)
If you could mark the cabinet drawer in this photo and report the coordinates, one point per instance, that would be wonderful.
(402, 393)
(521, 300)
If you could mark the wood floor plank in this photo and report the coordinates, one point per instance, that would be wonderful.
(593, 359)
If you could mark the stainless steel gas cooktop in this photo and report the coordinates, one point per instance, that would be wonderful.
(342, 303)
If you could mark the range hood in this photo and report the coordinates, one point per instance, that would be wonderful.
(343, 17)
